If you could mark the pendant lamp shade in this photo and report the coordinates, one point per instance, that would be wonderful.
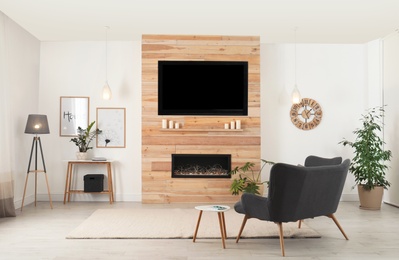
(107, 94)
(296, 95)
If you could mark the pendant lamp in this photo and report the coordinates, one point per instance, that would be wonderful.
(296, 95)
(107, 94)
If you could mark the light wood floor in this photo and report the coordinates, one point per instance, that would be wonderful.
(39, 233)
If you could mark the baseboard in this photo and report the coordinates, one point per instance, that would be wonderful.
(391, 204)
(350, 197)
(89, 197)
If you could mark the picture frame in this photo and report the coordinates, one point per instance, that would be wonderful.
(74, 112)
(112, 122)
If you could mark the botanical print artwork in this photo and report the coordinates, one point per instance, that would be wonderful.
(112, 122)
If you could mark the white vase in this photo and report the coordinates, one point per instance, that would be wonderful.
(81, 155)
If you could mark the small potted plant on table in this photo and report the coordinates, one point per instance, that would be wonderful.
(83, 140)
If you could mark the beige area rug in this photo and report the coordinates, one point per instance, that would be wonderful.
(177, 223)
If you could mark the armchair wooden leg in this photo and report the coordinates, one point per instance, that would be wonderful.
(281, 235)
(299, 223)
(338, 225)
(244, 221)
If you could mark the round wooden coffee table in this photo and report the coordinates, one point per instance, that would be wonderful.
(220, 209)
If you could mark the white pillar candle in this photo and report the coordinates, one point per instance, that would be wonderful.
(171, 124)
(232, 125)
(164, 123)
(177, 125)
(238, 124)
(226, 126)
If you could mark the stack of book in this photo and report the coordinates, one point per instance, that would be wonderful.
(98, 159)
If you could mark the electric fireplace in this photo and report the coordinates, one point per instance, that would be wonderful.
(201, 165)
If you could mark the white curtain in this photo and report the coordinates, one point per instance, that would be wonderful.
(7, 208)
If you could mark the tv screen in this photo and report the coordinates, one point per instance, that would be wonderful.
(202, 88)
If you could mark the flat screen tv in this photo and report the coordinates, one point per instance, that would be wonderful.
(203, 88)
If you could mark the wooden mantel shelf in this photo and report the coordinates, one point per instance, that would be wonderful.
(200, 130)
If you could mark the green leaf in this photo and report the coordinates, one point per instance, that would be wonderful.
(248, 180)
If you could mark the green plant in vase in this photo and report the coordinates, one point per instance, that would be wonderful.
(85, 136)
(248, 179)
(368, 165)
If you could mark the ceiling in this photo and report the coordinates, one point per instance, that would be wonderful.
(316, 21)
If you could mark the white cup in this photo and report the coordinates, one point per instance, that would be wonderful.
(171, 124)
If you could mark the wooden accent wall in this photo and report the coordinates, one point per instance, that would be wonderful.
(197, 134)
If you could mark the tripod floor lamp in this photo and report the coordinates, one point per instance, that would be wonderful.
(36, 124)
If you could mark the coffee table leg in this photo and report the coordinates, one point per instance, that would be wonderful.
(222, 227)
(196, 228)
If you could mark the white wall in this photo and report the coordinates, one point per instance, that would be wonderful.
(78, 69)
(374, 94)
(22, 61)
(337, 76)
(334, 76)
(391, 94)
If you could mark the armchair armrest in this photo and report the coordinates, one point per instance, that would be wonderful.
(255, 206)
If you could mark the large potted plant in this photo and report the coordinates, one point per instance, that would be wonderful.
(83, 140)
(248, 180)
(369, 162)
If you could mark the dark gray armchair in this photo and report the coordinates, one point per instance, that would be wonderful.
(296, 193)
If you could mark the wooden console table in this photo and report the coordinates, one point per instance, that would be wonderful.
(69, 176)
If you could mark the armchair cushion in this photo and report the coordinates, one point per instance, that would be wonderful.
(313, 160)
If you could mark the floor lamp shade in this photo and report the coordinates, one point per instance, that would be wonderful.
(37, 124)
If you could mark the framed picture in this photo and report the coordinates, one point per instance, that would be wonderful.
(74, 112)
(112, 123)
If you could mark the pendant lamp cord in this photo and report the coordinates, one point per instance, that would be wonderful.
(295, 28)
(106, 53)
